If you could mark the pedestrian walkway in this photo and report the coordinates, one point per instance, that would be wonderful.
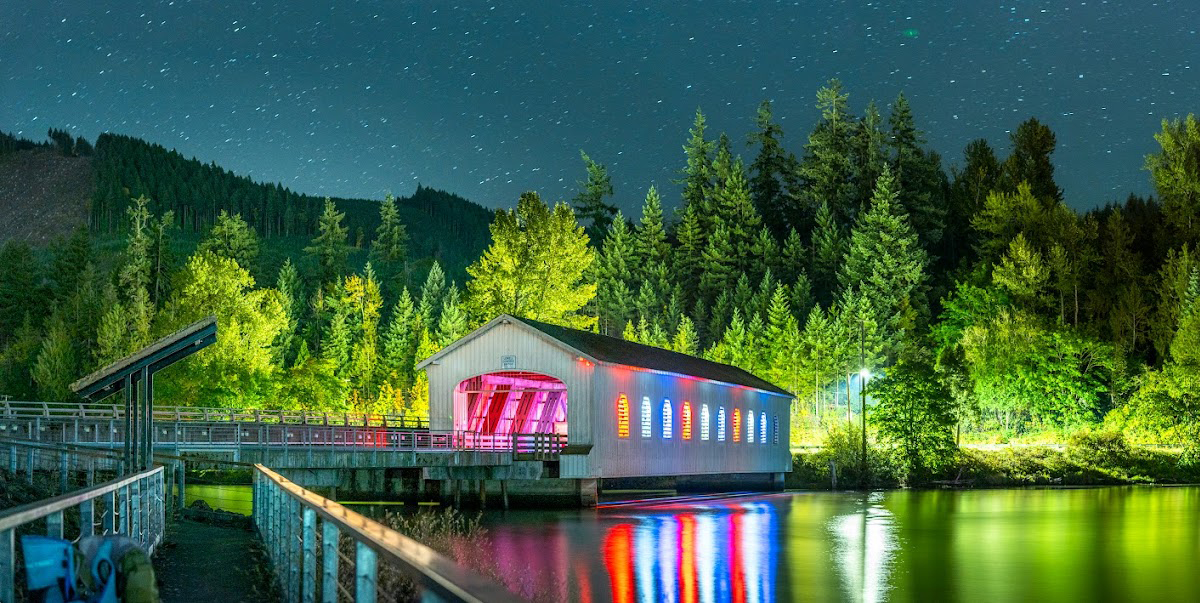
(203, 562)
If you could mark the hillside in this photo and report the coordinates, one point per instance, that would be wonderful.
(43, 195)
(45, 192)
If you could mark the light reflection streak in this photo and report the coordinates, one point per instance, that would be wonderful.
(865, 546)
(718, 553)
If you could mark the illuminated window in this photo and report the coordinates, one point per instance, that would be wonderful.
(685, 420)
(776, 430)
(750, 427)
(622, 416)
(704, 422)
(667, 419)
(737, 425)
(720, 423)
(762, 428)
(646, 420)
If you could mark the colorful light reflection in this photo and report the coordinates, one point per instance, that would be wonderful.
(715, 554)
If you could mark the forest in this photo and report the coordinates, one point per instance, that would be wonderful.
(971, 299)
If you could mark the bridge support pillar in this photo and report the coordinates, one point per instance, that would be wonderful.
(589, 491)
(483, 494)
(504, 493)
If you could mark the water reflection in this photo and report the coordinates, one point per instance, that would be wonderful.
(707, 554)
(864, 544)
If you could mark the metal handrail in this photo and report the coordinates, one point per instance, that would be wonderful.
(17, 409)
(286, 517)
(135, 507)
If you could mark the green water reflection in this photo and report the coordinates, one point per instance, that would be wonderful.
(236, 499)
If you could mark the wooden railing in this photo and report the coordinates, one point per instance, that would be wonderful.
(131, 505)
(303, 531)
(67, 410)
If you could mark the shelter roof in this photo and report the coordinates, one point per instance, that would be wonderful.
(156, 356)
(611, 350)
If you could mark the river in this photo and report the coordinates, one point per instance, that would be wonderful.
(1087, 544)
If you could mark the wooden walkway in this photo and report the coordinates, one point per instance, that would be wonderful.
(203, 562)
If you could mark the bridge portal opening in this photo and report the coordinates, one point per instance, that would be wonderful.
(508, 402)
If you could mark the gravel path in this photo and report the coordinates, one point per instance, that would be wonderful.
(202, 562)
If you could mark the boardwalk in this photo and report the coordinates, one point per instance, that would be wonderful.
(203, 562)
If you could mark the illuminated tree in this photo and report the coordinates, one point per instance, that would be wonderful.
(232, 238)
(330, 247)
(590, 204)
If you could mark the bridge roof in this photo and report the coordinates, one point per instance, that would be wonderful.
(611, 350)
(162, 353)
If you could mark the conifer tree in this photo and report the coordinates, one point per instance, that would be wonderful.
(432, 291)
(614, 275)
(825, 169)
(453, 322)
(233, 238)
(764, 254)
(868, 152)
(389, 250)
(291, 291)
(590, 205)
(768, 171)
(718, 265)
(330, 246)
(685, 340)
(364, 301)
(399, 342)
(919, 182)
(697, 175)
(689, 256)
(134, 277)
(1032, 145)
(56, 365)
(885, 264)
(793, 257)
(828, 248)
(652, 249)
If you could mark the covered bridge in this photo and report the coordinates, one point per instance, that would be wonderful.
(620, 409)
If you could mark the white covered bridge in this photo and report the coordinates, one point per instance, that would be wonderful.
(617, 409)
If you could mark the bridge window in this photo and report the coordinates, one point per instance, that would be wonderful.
(720, 423)
(646, 420)
(737, 425)
(685, 420)
(776, 430)
(622, 416)
(762, 427)
(511, 402)
(704, 422)
(668, 419)
(750, 427)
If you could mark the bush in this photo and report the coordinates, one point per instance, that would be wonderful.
(843, 446)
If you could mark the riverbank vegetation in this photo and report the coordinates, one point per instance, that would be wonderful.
(970, 303)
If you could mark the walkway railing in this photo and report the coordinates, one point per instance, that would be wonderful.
(304, 532)
(223, 435)
(131, 505)
(68, 410)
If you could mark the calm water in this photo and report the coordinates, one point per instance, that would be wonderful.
(1105, 544)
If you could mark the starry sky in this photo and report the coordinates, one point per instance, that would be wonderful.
(489, 99)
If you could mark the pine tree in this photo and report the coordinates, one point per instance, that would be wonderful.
(330, 247)
(764, 254)
(919, 182)
(432, 291)
(652, 248)
(768, 171)
(291, 290)
(1176, 176)
(389, 250)
(697, 175)
(868, 155)
(735, 210)
(828, 249)
(614, 274)
(453, 322)
(134, 277)
(338, 338)
(590, 204)
(1032, 145)
(718, 266)
(364, 301)
(885, 264)
(689, 256)
(233, 238)
(399, 342)
(56, 366)
(685, 340)
(825, 169)
(793, 258)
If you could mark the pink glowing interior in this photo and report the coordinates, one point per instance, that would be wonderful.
(510, 402)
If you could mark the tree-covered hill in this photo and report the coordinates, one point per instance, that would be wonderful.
(441, 225)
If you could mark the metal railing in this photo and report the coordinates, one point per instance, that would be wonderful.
(131, 505)
(68, 410)
(307, 556)
(223, 435)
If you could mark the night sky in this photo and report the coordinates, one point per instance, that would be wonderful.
(491, 99)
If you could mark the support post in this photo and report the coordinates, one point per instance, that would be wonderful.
(364, 573)
(504, 492)
(110, 518)
(329, 561)
(308, 591)
(87, 518)
(128, 463)
(135, 506)
(29, 466)
(181, 469)
(54, 524)
(63, 463)
(148, 419)
(8, 566)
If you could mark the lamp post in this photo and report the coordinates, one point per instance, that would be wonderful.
(863, 376)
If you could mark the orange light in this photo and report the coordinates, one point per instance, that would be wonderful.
(737, 425)
(685, 418)
(622, 416)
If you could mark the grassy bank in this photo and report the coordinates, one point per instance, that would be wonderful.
(1088, 459)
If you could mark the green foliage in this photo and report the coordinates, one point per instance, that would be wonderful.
(329, 247)
(590, 204)
(1175, 171)
(535, 266)
(915, 416)
(233, 238)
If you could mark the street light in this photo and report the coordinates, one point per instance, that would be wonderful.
(863, 375)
